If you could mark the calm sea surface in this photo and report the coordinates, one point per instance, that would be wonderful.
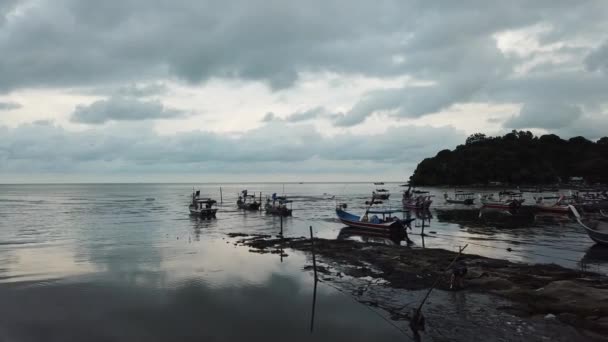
(101, 262)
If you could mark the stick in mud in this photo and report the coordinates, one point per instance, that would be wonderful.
(312, 248)
(417, 321)
(314, 267)
(221, 197)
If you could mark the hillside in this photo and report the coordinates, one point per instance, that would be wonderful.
(518, 157)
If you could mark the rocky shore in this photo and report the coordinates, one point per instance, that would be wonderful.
(575, 298)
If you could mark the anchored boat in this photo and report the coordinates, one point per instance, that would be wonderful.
(381, 194)
(422, 200)
(248, 202)
(597, 229)
(506, 200)
(460, 197)
(381, 220)
(559, 207)
(203, 207)
(278, 206)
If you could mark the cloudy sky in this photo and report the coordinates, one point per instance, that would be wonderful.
(252, 90)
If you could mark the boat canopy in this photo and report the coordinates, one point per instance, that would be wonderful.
(206, 200)
(385, 211)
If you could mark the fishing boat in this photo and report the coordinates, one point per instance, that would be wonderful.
(421, 201)
(381, 194)
(460, 197)
(381, 220)
(203, 207)
(277, 205)
(559, 207)
(597, 229)
(379, 183)
(248, 202)
(506, 200)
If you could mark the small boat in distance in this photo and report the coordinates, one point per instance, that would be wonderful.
(379, 183)
(202, 207)
(381, 194)
(278, 206)
(460, 197)
(597, 229)
(248, 202)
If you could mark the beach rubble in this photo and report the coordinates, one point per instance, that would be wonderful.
(545, 291)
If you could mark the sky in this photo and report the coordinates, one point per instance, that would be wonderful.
(252, 90)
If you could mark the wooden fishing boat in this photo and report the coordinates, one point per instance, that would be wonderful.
(277, 205)
(202, 207)
(597, 229)
(460, 197)
(373, 220)
(559, 207)
(248, 202)
(421, 201)
(381, 194)
(507, 201)
(379, 183)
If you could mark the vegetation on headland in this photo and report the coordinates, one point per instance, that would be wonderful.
(518, 157)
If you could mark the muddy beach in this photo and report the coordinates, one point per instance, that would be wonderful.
(538, 292)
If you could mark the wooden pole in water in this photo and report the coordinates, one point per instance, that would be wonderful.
(221, 197)
(312, 248)
(281, 225)
(422, 231)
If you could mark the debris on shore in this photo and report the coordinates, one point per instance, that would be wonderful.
(574, 297)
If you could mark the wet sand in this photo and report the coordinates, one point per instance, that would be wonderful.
(540, 291)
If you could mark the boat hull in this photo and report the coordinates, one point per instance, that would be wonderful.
(278, 211)
(558, 209)
(597, 236)
(353, 222)
(249, 206)
(417, 205)
(468, 201)
(208, 213)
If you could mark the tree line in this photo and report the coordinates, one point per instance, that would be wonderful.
(518, 157)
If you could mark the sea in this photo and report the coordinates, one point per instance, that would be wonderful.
(126, 262)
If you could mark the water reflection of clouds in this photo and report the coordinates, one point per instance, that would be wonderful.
(193, 311)
(42, 263)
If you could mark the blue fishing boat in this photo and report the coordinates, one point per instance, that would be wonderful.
(378, 220)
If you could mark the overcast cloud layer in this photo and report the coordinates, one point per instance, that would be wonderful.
(414, 62)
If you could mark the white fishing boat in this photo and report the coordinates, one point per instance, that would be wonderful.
(203, 207)
(460, 197)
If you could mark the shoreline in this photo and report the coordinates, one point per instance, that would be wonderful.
(576, 298)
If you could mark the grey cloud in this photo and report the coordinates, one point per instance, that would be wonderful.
(9, 105)
(544, 115)
(90, 42)
(300, 116)
(133, 90)
(590, 127)
(128, 147)
(598, 59)
(269, 117)
(122, 109)
(307, 115)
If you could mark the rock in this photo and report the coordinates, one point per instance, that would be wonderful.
(550, 316)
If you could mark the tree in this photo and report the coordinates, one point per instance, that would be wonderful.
(519, 157)
(475, 138)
